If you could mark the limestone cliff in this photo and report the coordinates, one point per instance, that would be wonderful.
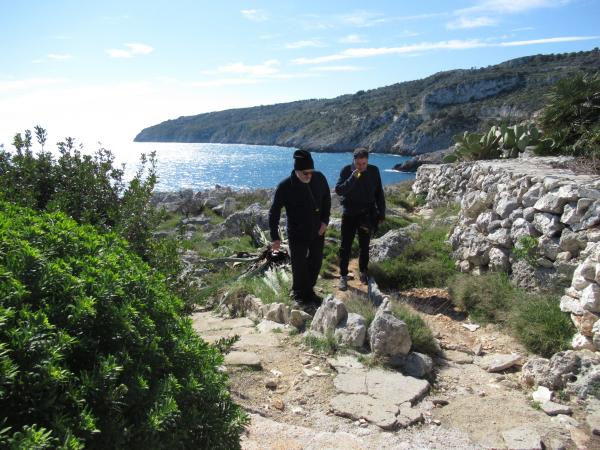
(408, 118)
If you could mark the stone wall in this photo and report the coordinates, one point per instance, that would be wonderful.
(503, 202)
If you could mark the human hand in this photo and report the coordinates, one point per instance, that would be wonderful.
(322, 229)
(356, 173)
(275, 245)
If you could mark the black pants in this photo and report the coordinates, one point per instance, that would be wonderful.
(307, 258)
(350, 225)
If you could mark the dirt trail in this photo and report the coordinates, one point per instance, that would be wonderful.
(289, 397)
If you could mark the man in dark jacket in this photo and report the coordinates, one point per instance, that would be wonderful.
(363, 204)
(307, 201)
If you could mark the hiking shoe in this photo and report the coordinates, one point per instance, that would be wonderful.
(364, 279)
(343, 285)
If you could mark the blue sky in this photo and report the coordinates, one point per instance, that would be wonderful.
(101, 71)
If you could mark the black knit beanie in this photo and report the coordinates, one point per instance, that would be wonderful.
(303, 160)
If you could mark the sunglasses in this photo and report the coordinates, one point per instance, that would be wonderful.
(306, 172)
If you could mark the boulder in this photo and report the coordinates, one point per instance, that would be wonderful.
(475, 202)
(521, 228)
(505, 207)
(329, 315)
(548, 247)
(571, 242)
(277, 312)
(229, 206)
(553, 373)
(547, 223)
(414, 364)
(590, 298)
(498, 259)
(484, 219)
(388, 335)
(551, 203)
(585, 323)
(499, 362)
(241, 223)
(532, 195)
(352, 331)
(500, 237)
(390, 244)
(581, 342)
(298, 318)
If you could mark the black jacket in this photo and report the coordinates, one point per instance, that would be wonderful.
(306, 206)
(360, 195)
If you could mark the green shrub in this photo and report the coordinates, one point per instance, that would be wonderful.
(95, 350)
(540, 325)
(487, 298)
(425, 263)
(328, 344)
(534, 318)
(420, 333)
(273, 287)
(572, 115)
(360, 305)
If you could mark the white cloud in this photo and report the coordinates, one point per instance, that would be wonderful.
(510, 6)
(351, 39)
(255, 15)
(362, 19)
(423, 47)
(268, 67)
(304, 44)
(225, 82)
(59, 56)
(336, 69)
(547, 41)
(134, 49)
(352, 53)
(468, 22)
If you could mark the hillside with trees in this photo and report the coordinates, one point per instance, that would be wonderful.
(412, 117)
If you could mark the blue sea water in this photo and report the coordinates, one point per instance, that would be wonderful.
(202, 166)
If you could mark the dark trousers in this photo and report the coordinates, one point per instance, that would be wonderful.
(307, 258)
(350, 225)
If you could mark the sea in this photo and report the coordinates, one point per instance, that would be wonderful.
(203, 166)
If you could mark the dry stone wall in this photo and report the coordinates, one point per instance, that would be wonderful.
(526, 216)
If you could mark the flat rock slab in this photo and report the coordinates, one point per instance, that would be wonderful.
(458, 357)
(247, 359)
(554, 409)
(360, 406)
(379, 396)
(498, 363)
(212, 336)
(353, 382)
(395, 387)
(408, 416)
(522, 438)
(268, 326)
(343, 364)
(253, 340)
(205, 321)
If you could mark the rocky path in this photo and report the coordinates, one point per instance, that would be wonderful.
(298, 399)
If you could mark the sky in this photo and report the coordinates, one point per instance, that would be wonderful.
(100, 71)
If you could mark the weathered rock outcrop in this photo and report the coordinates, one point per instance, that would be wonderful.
(539, 223)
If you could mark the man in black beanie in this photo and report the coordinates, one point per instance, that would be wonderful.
(307, 201)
